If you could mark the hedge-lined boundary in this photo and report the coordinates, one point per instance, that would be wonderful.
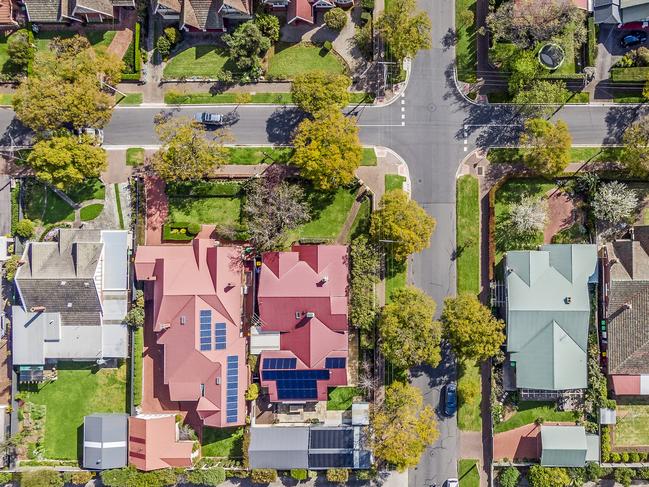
(137, 57)
(621, 75)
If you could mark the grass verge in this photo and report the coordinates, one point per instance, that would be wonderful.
(468, 473)
(468, 414)
(466, 59)
(138, 347)
(134, 156)
(173, 98)
(512, 155)
(369, 157)
(468, 235)
(394, 181)
(259, 155)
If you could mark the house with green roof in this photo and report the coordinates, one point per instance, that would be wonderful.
(548, 314)
(568, 446)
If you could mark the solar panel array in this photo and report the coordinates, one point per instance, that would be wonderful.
(279, 363)
(331, 438)
(232, 384)
(295, 374)
(219, 336)
(296, 384)
(206, 325)
(335, 362)
(331, 460)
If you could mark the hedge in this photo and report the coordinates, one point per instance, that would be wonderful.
(621, 75)
(138, 346)
(179, 235)
(15, 207)
(204, 189)
(592, 42)
(208, 476)
(133, 51)
(263, 475)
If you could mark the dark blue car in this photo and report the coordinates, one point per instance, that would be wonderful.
(633, 39)
(450, 399)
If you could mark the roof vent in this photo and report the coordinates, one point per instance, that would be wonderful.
(627, 306)
(69, 305)
(86, 284)
(509, 270)
(183, 320)
(63, 283)
(325, 280)
(568, 300)
(218, 381)
(310, 314)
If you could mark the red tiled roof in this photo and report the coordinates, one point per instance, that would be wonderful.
(153, 444)
(299, 10)
(628, 385)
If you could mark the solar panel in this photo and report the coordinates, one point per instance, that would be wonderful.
(331, 460)
(232, 389)
(279, 363)
(331, 438)
(219, 336)
(335, 362)
(295, 374)
(206, 325)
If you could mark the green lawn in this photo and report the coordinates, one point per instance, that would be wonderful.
(394, 181)
(138, 342)
(632, 427)
(328, 211)
(468, 415)
(131, 99)
(369, 157)
(6, 99)
(81, 389)
(44, 205)
(468, 474)
(340, 398)
(396, 276)
(466, 47)
(222, 442)
(173, 98)
(197, 61)
(259, 155)
(91, 212)
(134, 156)
(221, 210)
(468, 235)
(118, 202)
(92, 189)
(511, 155)
(290, 60)
(98, 39)
(529, 411)
(361, 225)
(574, 98)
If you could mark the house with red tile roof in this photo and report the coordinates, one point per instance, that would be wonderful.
(197, 307)
(303, 330)
(304, 10)
(154, 442)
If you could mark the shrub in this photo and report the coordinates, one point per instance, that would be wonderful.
(634, 457)
(263, 475)
(11, 266)
(41, 478)
(253, 392)
(25, 228)
(366, 17)
(643, 456)
(624, 457)
(173, 35)
(624, 476)
(208, 476)
(194, 228)
(369, 474)
(338, 475)
(336, 18)
(367, 5)
(509, 477)
(20, 49)
(139, 298)
(163, 46)
(643, 473)
(135, 317)
(299, 474)
(268, 25)
(78, 478)
(327, 46)
(594, 471)
(6, 477)
(615, 457)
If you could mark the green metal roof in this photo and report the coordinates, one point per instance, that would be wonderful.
(563, 446)
(548, 310)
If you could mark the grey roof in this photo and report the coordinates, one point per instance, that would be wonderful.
(279, 447)
(104, 7)
(548, 310)
(105, 441)
(43, 10)
(635, 13)
(115, 251)
(28, 330)
(202, 14)
(563, 446)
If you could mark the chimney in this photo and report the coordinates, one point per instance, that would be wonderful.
(37, 309)
(164, 326)
(310, 314)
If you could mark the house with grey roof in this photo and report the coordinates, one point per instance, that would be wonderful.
(204, 15)
(74, 11)
(620, 11)
(625, 299)
(547, 314)
(105, 441)
(73, 300)
(568, 446)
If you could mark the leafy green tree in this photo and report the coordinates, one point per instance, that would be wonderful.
(524, 68)
(11, 266)
(471, 328)
(246, 45)
(252, 392)
(404, 30)
(41, 478)
(186, 152)
(25, 228)
(327, 150)
(336, 18)
(542, 92)
(509, 477)
(549, 146)
(318, 91)
(135, 317)
(539, 476)
(20, 50)
(635, 154)
(402, 427)
(268, 25)
(402, 224)
(409, 334)
(65, 161)
(365, 264)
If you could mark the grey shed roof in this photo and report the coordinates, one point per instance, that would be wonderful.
(563, 446)
(609, 14)
(105, 441)
(279, 447)
(115, 257)
(29, 331)
(548, 310)
(43, 10)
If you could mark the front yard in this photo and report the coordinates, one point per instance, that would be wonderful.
(81, 388)
(222, 442)
(290, 60)
(42, 205)
(205, 61)
(632, 427)
(529, 411)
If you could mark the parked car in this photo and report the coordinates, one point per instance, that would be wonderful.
(633, 39)
(450, 399)
(207, 118)
(96, 135)
(452, 483)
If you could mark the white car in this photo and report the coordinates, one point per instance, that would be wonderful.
(96, 135)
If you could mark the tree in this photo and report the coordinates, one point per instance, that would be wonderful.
(65, 161)
(614, 203)
(404, 30)
(549, 146)
(20, 50)
(402, 427)
(524, 68)
(409, 334)
(402, 224)
(11, 266)
(268, 25)
(529, 215)
(365, 263)
(336, 18)
(509, 477)
(273, 208)
(135, 317)
(319, 91)
(542, 92)
(471, 328)
(41, 478)
(635, 154)
(252, 392)
(25, 228)
(327, 150)
(186, 152)
(539, 476)
(246, 44)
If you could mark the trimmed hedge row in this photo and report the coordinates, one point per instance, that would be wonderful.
(133, 51)
(621, 75)
(15, 207)
(204, 189)
(592, 42)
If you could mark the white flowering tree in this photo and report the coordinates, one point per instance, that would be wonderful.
(529, 215)
(614, 203)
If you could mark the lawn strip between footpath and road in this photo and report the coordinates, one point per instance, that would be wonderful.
(468, 474)
(511, 155)
(173, 98)
(259, 155)
(468, 415)
(369, 157)
(134, 156)
(396, 272)
(529, 411)
(468, 235)
(466, 59)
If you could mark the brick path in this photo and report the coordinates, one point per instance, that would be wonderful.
(561, 214)
(157, 209)
(124, 36)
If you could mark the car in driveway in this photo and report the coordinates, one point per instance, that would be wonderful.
(633, 39)
(450, 399)
(207, 118)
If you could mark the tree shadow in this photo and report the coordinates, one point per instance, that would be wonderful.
(282, 123)
(619, 118)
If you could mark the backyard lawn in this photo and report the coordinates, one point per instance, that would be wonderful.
(290, 60)
(632, 428)
(222, 442)
(198, 61)
(222, 210)
(44, 205)
(468, 474)
(468, 235)
(328, 214)
(465, 49)
(529, 411)
(340, 398)
(81, 389)
(468, 415)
